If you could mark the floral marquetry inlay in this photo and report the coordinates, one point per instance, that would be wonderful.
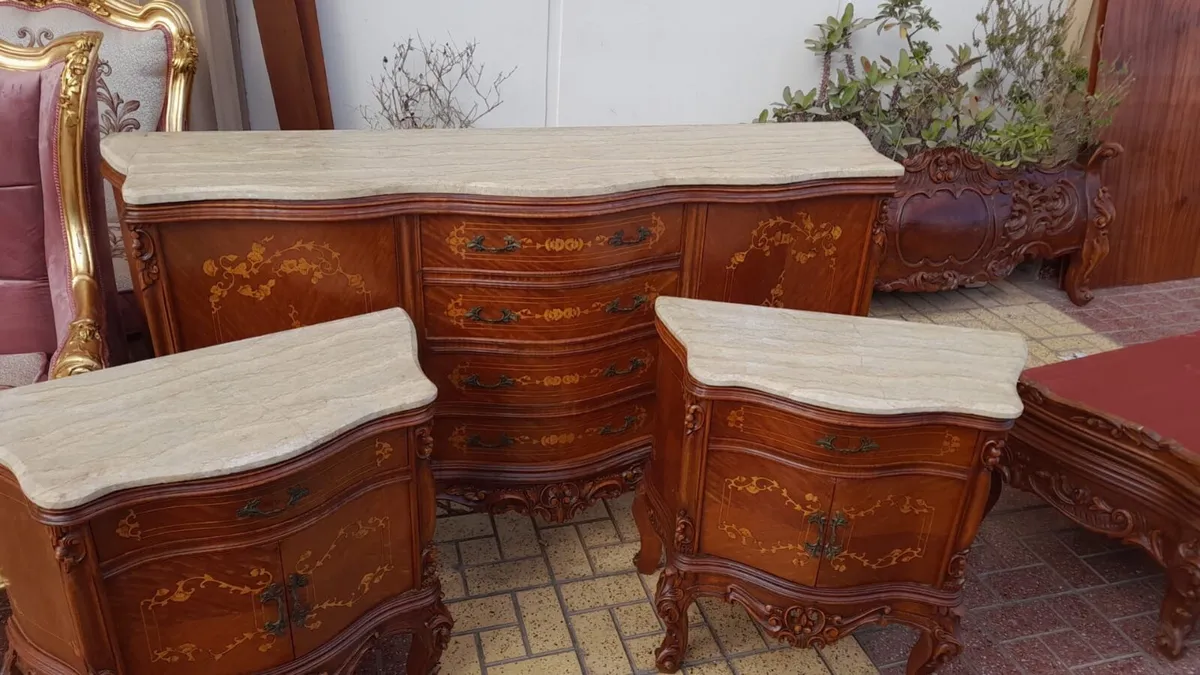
(908, 507)
(465, 377)
(129, 527)
(256, 275)
(808, 506)
(802, 238)
(461, 440)
(461, 315)
(462, 244)
(309, 565)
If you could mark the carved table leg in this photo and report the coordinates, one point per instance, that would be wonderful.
(937, 646)
(647, 558)
(1181, 606)
(671, 605)
(429, 641)
(1095, 248)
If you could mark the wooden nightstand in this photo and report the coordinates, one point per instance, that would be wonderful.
(264, 506)
(825, 472)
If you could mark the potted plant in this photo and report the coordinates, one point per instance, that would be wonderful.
(1000, 141)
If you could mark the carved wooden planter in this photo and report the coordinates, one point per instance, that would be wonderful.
(958, 220)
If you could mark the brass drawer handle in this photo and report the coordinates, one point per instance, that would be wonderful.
(615, 307)
(300, 611)
(477, 441)
(252, 508)
(473, 382)
(864, 445)
(511, 244)
(608, 430)
(635, 364)
(274, 593)
(506, 316)
(832, 548)
(618, 239)
(816, 548)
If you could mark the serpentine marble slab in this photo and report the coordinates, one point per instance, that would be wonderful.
(541, 162)
(848, 363)
(209, 412)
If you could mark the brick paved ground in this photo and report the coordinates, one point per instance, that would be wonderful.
(1043, 596)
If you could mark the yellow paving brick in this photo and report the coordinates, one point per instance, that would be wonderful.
(947, 318)
(601, 592)
(846, 657)
(638, 619)
(470, 526)
(461, 657)
(619, 558)
(566, 554)
(452, 583)
(642, 649)
(555, 664)
(702, 646)
(1101, 342)
(950, 301)
(990, 319)
(479, 551)
(972, 323)
(471, 615)
(448, 555)
(1030, 329)
(1068, 344)
(598, 533)
(622, 514)
(518, 539)
(651, 583)
(1068, 329)
(543, 620)
(597, 635)
(732, 625)
(713, 668)
(502, 644)
(790, 661)
(507, 576)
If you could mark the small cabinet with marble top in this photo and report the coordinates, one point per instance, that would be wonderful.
(824, 472)
(263, 506)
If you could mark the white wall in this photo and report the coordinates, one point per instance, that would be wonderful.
(593, 62)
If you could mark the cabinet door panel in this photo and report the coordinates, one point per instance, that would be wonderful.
(892, 528)
(347, 563)
(185, 615)
(764, 513)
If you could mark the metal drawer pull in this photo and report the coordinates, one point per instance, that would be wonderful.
(511, 244)
(635, 365)
(615, 307)
(473, 382)
(864, 445)
(478, 442)
(506, 316)
(832, 548)
(300, 611)
(274, 593)
(815, 548)
(252, 510)
(607, 429)
(618, 239)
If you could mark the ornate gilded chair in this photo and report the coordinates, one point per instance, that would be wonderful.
(144, 73)
(56, 286)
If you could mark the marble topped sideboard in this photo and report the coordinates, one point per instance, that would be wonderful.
(260, 506)
(529, 260)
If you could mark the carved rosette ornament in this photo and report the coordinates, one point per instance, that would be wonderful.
(802, 625)
(956, 571)
(556, 502)
(693, 419)
(993, 451)
(425, 437)
(685, 533)
(69, 547)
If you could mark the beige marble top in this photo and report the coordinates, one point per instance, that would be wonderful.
(852, 364)
(540, 162)
(210, 412)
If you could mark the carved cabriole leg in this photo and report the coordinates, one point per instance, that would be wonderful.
(1095, 248)
(1181, 606)
(429, 640)
(671, 605)
(938, 644)
(649, 557)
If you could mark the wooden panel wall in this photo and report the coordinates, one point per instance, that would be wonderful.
(1156, 183)
(291, 42)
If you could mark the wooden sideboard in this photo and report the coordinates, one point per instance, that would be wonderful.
(823, 472)
(529, 260)
(257, 507)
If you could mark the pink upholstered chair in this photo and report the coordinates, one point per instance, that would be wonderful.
(56, 288)
(144, 73)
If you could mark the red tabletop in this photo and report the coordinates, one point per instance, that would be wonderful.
(1156, 385)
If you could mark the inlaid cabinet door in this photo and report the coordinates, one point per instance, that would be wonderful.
(347, 563)
(889, 528)
(762, 512)
(184, 615)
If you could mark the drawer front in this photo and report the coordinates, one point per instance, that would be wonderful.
(541, 440)
(511, 244)
(190, 518)
(544, 314)
(777, 430)
(542, 379)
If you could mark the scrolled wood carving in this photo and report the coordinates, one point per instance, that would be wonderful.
(555, 502)
(69, 547)
(694, 419)
(671, 606)
(802, 625)
(145, 253)
(956, 570)
(1181, 607)
(429, 565)
(685, 533)
(1035, 395)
